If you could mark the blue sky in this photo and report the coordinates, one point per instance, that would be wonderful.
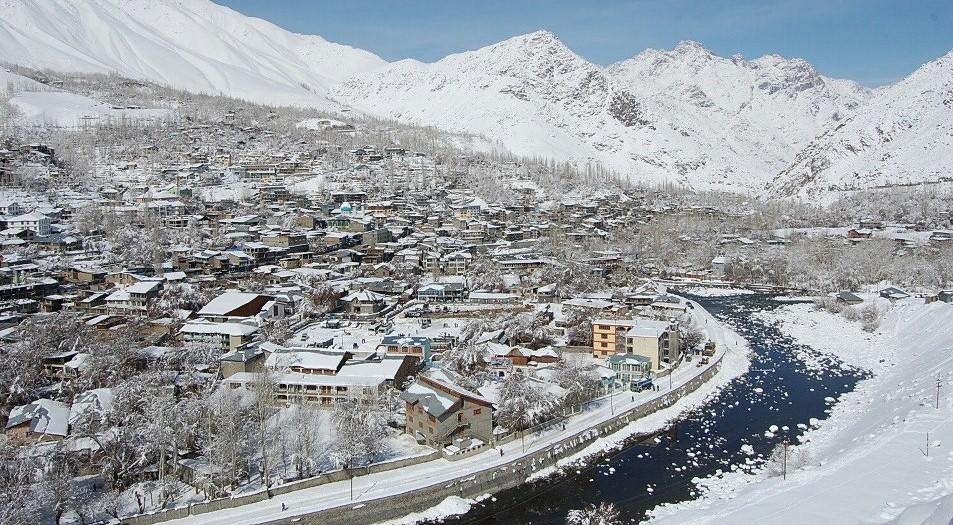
(871, 41)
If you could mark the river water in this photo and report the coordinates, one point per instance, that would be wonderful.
(731, 429)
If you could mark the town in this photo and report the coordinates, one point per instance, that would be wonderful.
(233, 298)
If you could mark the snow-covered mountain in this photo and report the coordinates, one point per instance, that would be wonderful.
(189, 44)
(759, 112)
(683, 115)
(903, 135)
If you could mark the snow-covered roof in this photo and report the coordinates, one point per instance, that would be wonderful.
(98, 399)
(45, 416)
(227, 302)
(199, 327)
(648, 328)
(304, 359)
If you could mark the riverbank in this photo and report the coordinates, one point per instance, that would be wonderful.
(871, 460)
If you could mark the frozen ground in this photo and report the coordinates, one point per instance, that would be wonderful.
(871, 461)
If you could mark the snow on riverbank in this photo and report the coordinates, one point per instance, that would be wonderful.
(831, 334)
(868, 462)
(707, 291)
(451, 506)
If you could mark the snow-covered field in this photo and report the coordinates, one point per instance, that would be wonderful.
(871, 461)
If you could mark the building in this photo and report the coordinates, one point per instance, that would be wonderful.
(323, 378)
(439, 411)
(608, 336)
(41, 420)
(629, 368)
(441, 292)
(848, 298)
(228, 336)
(133, 298)
(237, 306)
(655, 340)
(363, 302)
(35, 222)
(720, 266)
(419, 348)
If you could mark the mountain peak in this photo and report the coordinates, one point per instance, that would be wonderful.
(691, 47)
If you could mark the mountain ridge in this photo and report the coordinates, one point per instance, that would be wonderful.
(769, 126)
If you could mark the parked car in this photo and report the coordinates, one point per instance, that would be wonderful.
(709, 349)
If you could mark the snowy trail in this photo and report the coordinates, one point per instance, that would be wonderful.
(440, 471)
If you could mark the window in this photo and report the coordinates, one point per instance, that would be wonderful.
(432, 419)
(459, 417)
(476, 411)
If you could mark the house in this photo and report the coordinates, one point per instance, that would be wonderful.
(133, 298)
(441, 292)
(893, 293)
(237, 306)
(96, 400)
(720, 266)
(228, 336)
(848, 298)
(10, 207)
(41, 420)
(629, 368)
(35, 222)
(859, 233)
(364, 302)
(420, 348)
(439, 411)
(247, 358)
(655, 340)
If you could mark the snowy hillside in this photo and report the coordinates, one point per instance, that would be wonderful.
(41, 105)
(189, 44)
(684, 115)
(904, 135)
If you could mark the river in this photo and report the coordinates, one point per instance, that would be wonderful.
(778, 390)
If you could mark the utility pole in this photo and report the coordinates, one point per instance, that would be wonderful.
(938, 394)
(784, 467)
(611, 396)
